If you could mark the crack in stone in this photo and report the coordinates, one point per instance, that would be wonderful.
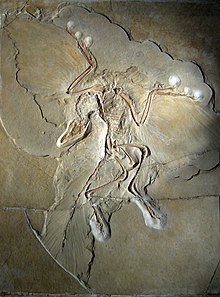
(16, 208)
(20, 10)
(90, 264)
(210, 282)
(84, 285)
(6, 13)
(175, 164)
(191, 177)
(6, 259)
(91, 249)
(66, 228)
(41, 111)
(127, 200)
(17, 63)
(18, 69)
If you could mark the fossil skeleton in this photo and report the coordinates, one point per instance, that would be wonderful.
(111, 118)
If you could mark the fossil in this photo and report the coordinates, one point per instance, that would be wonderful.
(114, 112)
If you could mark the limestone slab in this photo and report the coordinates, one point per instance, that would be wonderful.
(181, 259)
(197, 186)
(26, 181)
(156, 24)
(25, 266)
(170, 25)
(214, 287)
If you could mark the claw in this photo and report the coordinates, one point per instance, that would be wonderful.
(88, 41)
(187, 91)
(78, 35)
(99, 227)
(174, 81)
(153, 218)
(74, 132)
(198, 95)
(70, 26)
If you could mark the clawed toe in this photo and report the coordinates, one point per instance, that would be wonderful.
(153, 217)
(99, 227)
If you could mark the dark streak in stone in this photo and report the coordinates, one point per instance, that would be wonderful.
(92, 250)
(41, 111)
(66, 228)
(210, 282)
(193, 175)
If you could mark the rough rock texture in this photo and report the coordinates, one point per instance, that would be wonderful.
(191, 177)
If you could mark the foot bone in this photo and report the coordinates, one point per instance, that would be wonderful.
(153, 218)
(99, 227)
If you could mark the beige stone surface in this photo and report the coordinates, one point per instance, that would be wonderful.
(214, 287)
(24, 265)
(170, 25)
(197, 186)
(178, 260)
(26, 181)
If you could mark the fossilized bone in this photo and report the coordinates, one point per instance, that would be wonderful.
(114, 119)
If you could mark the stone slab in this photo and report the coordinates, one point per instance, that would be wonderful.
(170, 25)
(137, 260)
(214, 287)
(180, 259)
(190, 244)
(24, 264)
(26, 181)
(203, 184)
